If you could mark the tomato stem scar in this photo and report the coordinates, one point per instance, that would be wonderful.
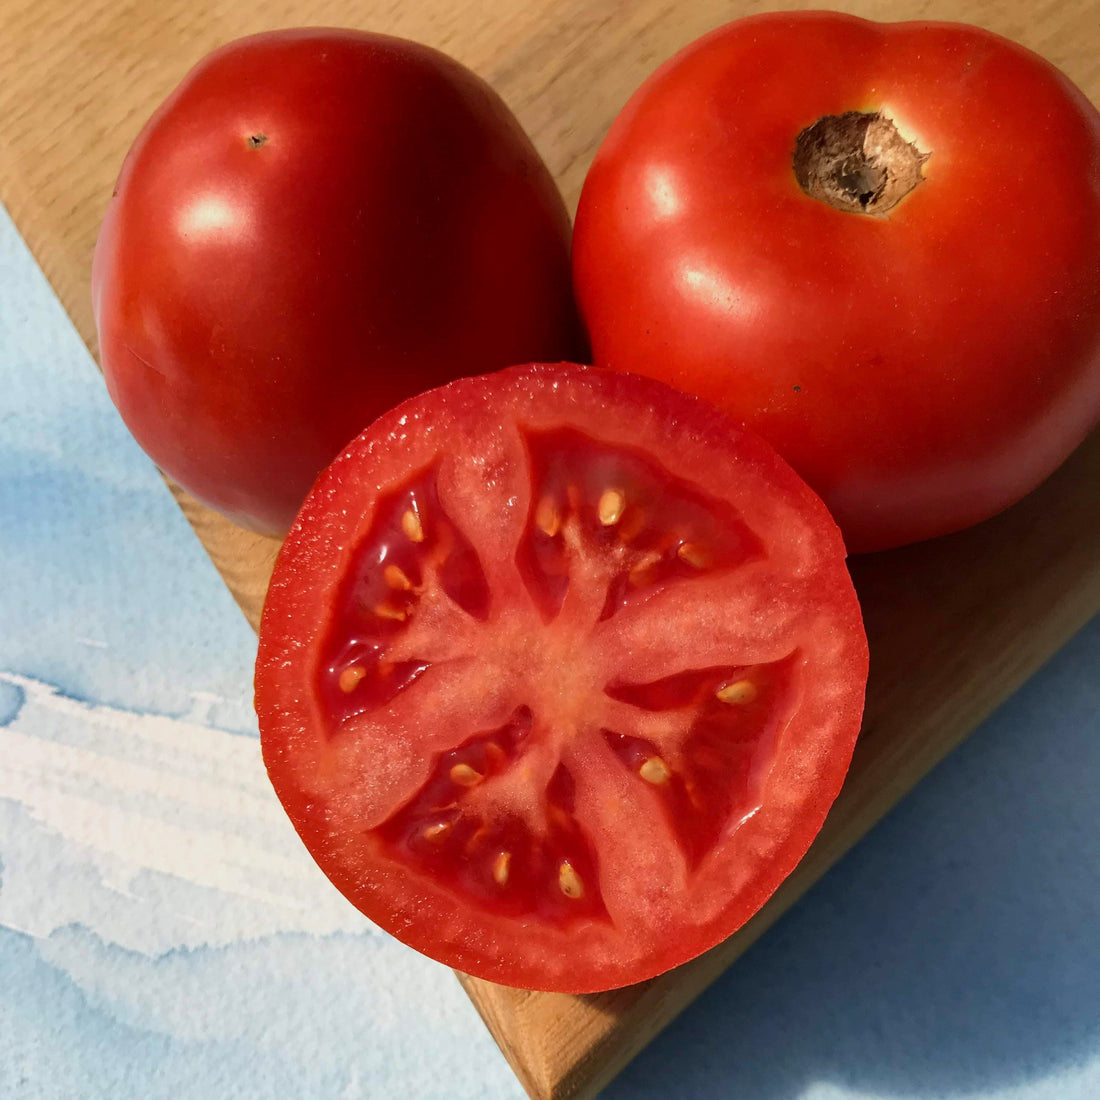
(857, 162)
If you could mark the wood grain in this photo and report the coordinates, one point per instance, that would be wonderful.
(955, 625)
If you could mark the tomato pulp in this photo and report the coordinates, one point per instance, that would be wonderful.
(876, 245)
(559, 673)
(314, 226)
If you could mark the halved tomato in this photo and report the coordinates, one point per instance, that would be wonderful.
(559, 673)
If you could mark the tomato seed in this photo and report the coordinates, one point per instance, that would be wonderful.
(350, 677)
(411, 525)
(691, 555)
(569, 881)
(395, 577)
(547, 517)
(385, 611)
(500, 868)
(744, 691)
(610, 508)
(465, 776)
(654, 770)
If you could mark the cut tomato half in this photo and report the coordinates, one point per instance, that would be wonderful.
(559, 673)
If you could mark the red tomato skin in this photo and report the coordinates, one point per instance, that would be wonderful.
(302, 601)
(922, 370)
(314, 226)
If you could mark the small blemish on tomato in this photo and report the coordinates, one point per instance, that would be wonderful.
(254, 141)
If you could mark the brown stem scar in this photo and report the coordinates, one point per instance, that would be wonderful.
(857, 162)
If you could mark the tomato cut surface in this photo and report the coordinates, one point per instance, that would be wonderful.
(559, 673)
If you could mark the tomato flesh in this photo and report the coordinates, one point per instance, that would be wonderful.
(559, 674)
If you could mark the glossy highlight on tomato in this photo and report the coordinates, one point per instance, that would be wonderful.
(559, 673)
(874, 244)
(315, 225)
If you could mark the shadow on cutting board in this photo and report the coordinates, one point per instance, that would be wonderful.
(955, 951)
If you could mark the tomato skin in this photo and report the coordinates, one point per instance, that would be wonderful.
(922, 370)
(326, 779)
(314, 226)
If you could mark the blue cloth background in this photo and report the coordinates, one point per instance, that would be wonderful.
(163, 934)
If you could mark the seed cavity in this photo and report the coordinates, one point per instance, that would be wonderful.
(547, 517)
(736, 694)
(350, 677)
(569, 882)
(501, 867)
(411, 525)
(654, 771)
(611, 506)
(465, 776)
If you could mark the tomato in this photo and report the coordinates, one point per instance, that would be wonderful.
(917, 331)
(314, 226)
(559, 673)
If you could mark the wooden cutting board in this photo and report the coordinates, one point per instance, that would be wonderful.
(955, 625)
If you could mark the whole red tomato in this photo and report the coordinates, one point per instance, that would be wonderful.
(315, 225)
(877, 245)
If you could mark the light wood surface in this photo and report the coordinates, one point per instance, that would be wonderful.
(955, 626)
